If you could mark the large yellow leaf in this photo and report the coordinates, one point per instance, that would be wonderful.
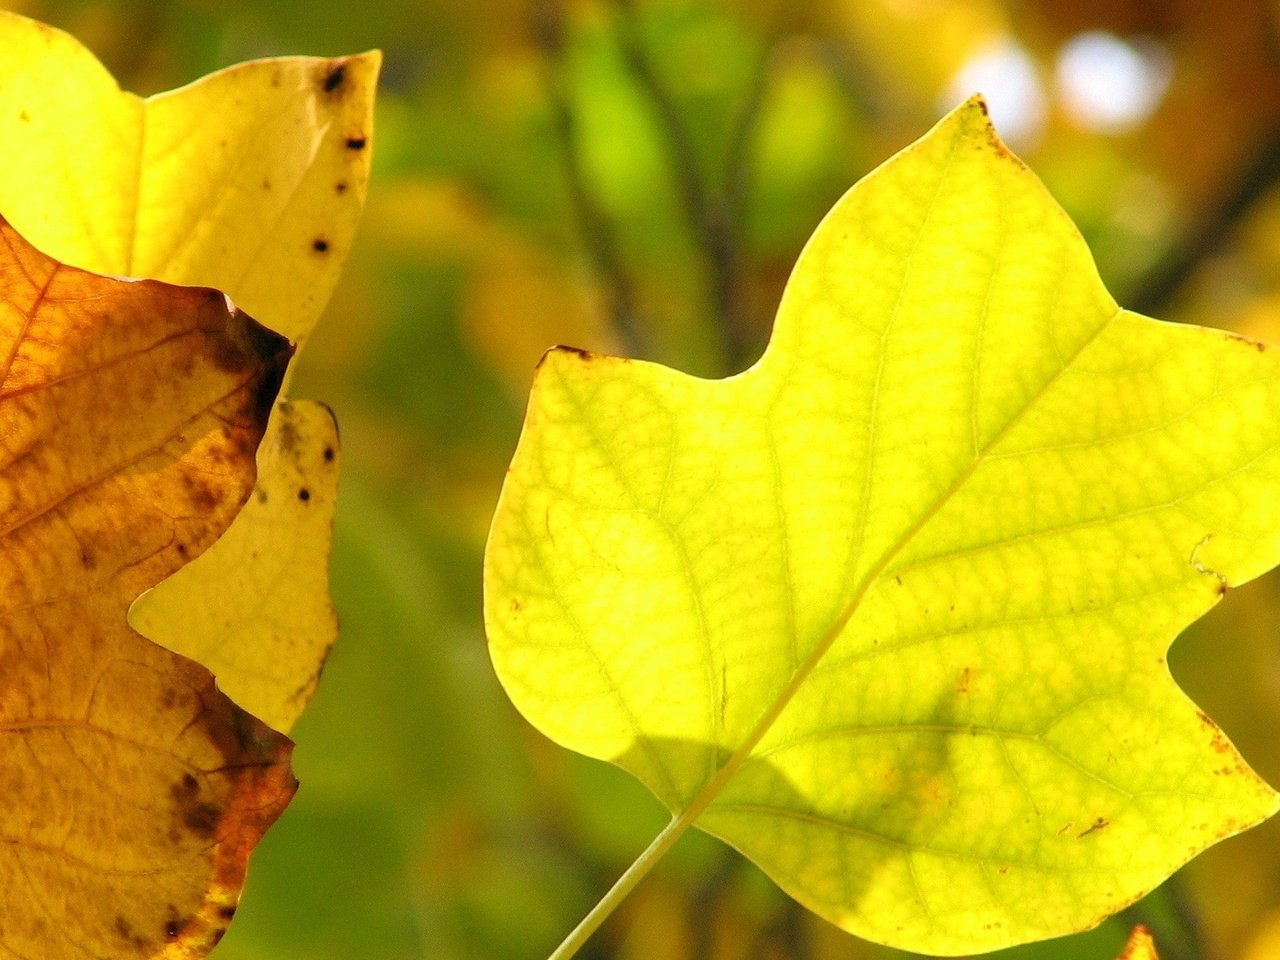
(250, 180)
(888, 612)
(133, 790)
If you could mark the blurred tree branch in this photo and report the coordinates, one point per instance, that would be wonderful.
(593, 222)
(702, 930)
(1183, 939)
(714, 216)
(738, 177)
(784, 932)
(1259, 175)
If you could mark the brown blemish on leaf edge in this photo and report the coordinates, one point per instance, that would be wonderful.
(1258, 345)
(334, 76)
(241, 345)
(244, 797)
(586, 356)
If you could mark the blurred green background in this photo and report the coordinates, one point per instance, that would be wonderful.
(637, 176)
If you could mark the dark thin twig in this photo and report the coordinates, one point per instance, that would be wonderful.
(702, 904)
(1163, 281)
(784, 933)
(706, 216)
(738, 178)
(597, 231)
(790, 931)
(853, 80)
(1188, 920)
(1183, 938)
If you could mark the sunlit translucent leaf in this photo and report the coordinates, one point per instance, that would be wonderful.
(133, 789)
(263, 638)
(250, 180)
(888, 612)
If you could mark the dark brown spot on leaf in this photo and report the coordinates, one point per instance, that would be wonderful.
(197, 816)
(356, 143)
(202, 496)
(304, 494)
(333, 79)
(1098, 824)
(584, 355)
(240, 344)
(202, 818)
(245, 346)
(320, 245)
(340, 187)
(124, 930)
(329, 454)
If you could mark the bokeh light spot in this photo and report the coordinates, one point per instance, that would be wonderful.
(1109, 85)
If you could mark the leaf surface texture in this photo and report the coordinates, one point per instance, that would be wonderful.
(888, 611)
(250, 180)
(134, 790)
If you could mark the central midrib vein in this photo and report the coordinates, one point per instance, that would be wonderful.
(712, 788)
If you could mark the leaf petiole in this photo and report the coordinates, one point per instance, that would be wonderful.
(629, 880)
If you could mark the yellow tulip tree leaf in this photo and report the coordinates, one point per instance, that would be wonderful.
(133, 789)
(260, 639)
(888, 612)
(1141, 946)
(250, 180)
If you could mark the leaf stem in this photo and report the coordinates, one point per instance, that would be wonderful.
(663, 842)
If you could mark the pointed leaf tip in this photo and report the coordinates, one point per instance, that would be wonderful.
(1140, 945)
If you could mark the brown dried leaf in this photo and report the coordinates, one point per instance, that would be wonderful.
(130, 413)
